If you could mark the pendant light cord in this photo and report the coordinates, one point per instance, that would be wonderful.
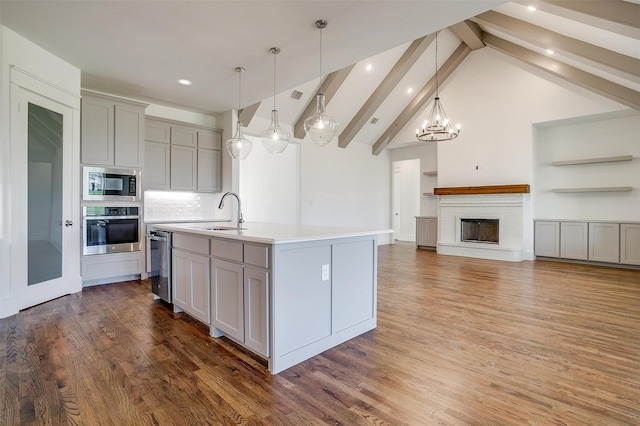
(437, 63)
(321, 80)
(274, 78)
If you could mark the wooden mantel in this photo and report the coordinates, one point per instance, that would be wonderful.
(490, 189)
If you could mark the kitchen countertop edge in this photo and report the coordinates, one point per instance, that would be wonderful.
(269, 233)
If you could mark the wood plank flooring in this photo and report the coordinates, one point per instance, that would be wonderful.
(459, 342)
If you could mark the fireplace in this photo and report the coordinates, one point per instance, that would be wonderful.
(488, 225)
(478, 230)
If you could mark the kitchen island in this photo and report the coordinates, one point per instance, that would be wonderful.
(285, 292)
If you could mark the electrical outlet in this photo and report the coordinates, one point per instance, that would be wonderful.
(325, 272)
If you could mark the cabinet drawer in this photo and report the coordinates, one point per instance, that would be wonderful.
(191, 243)
(256, 255)
(225, 249)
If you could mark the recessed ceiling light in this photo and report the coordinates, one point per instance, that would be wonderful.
(184, 82)
(532, 8)
(550, 52)
(409, 90)
(368, 67)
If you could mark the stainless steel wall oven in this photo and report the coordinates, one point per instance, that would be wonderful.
(108, 229)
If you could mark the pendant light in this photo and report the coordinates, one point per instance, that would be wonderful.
(320, 127)
(238, 146)
(437, 126)
(274, 139)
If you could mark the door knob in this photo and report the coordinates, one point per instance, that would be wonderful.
(68, 223)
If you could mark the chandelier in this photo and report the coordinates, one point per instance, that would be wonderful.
(274, 139)
(238, 146)
(437, 126)
(321, 127)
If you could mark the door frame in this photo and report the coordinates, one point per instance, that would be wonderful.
(401, 194)
(25, 86)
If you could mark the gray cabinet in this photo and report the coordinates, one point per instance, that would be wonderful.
(157, 165)
(209, 166)
(611, 242)
(426, 231)
(240, 293)
(191, 275)
(112, 131)
(630, 244)
(182, 157)
(183, 168)
(547, 238)
(227, 298)
(604, 242)
(574, 240)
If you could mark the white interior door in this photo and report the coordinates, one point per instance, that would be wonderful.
(42, 180)
(405, 198)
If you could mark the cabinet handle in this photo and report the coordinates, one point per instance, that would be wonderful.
(68, 223)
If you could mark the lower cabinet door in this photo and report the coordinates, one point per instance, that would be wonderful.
(191, 277)
(227, 298)
(256, 310)
(574, 241)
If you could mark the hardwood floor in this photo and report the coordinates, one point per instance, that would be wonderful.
(459, 342)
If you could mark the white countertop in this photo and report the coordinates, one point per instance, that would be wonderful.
(269, 233)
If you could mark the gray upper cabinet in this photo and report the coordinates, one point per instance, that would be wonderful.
(112, 131)
(185, 136)
(182, 157)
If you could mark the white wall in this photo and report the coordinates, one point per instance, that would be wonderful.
(270, 184)
(497, 99)
(606, 135)
(20, 52)
(427, 153)
(345, 187)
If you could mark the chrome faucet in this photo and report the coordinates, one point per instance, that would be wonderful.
(221, 205)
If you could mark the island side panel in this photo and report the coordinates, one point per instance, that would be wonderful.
(353, 283)
(303, 308)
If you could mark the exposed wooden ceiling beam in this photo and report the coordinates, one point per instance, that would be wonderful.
(330, 86)
(617, 16)
(421, 99)
(606, 88)
(399, 70)
(470, 33)
(558, 42)
(246, 114)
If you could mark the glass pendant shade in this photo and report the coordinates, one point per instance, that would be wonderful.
(238, 146)
(321, 127)
(274, 139)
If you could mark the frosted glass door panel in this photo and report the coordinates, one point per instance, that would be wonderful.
(44, 195)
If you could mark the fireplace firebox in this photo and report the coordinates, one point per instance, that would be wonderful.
(480, 231)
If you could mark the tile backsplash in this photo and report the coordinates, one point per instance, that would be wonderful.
(183, 206)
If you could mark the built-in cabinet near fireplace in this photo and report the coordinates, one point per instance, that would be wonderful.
(596, 241)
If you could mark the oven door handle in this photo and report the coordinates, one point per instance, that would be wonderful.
(156, 238)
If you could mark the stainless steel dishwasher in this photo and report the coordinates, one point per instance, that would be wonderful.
(160, 247)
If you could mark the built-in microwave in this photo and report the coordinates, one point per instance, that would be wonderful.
(102, 184)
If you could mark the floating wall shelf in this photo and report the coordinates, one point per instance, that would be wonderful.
(593, 160)
(427, 193)
(600, 189)
(430, 173)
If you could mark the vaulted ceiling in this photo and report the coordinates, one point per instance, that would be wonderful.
(139, 49)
